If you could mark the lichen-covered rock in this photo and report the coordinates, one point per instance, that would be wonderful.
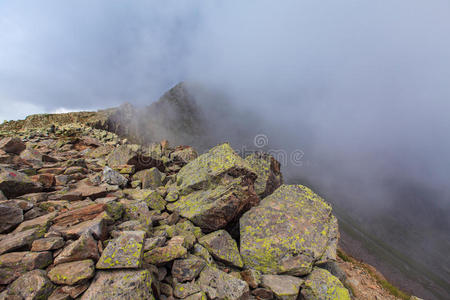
(150, 178)
(12, 145)
(222, 247)
(252, 277)
(120, 285)
(209, 167)
(113, 177)
(73, 272)
(14, 184)
(214, 189)
(287, 232)
(10, 217)
(267, 169)
(18, 240)
(164, 254)
(151, 197)
(33, 285)
(124, 252)
(220, 285)
(137, 210)
(183, 290)
(187, 269)
(83, 248)
(321, 285)
(212, 209)
(284, 287)
(14, 264)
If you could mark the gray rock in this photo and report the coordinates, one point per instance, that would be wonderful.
(10, 217)
(267, 169)
(113, 177)
(220, 285)
(187, 269)
(284, 287)
(320, 284)
(120, 285)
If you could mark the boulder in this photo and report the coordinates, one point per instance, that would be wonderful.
(10, 217)
(12, 145)
(320, 284)
(133, 155)
(73, 272)
(150, 178)
(220, 285)
(215, 189)
(83, 248)
(14, 264)
(222, 247)
(113, 177)
(187, 269)
(33, 285)
(125, 252)
(120, 285)
(267, 169)
(284, 287)
(183, 290)
(17, 240)
(288, 232)
(14, 184)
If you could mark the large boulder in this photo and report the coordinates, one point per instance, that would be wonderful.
(133, 155)
(215, 189)
(14, 184)
(287, 232)
(120, 285)
(267, 169)
(320, 284)
(12, 145)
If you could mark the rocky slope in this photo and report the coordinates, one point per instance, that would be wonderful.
(86, 215)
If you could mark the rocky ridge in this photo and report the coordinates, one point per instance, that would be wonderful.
(86, 215)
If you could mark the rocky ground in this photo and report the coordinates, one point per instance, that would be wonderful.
(86, 215)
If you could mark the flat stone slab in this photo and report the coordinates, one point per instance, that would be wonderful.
(73, 272)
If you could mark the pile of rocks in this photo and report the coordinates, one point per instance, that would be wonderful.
(93, 217)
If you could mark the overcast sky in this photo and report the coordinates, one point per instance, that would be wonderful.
(371, 77)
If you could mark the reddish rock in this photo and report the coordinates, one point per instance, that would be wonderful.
(47, 180)
(83, 248)
(13, 183)
(12, 145)
(76, 216)
(14, 264)
(49, 243)
(17, 240)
